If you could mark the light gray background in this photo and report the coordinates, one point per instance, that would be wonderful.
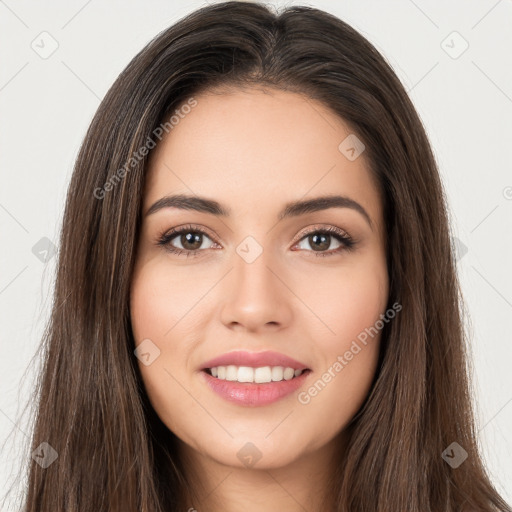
(464, 102)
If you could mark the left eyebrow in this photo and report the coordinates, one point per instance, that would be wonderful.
(292, 209)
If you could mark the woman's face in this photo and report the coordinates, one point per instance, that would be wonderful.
(263, 278)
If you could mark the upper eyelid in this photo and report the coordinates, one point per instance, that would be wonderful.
(189, 227)
(332, 230)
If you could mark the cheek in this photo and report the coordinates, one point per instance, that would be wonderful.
(350, 305)
(158, 309)
(153, 315)
(151, 308)
(161, 298)
(346, 302)
(162, 310)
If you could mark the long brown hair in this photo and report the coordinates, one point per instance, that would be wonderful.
(114, 453)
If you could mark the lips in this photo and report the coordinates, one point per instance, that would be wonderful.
(266, 389)
(254, 395)
(254, 360)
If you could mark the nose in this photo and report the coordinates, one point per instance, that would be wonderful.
(255, 296)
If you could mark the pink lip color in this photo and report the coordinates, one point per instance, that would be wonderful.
(253, 395)
(254, 360)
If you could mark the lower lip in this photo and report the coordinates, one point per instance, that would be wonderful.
(254, 395)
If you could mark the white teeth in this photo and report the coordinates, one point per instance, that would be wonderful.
(262, 375)
(277, 373)
(245, 374)
(289, 373)
(231, 372)
(258, 375)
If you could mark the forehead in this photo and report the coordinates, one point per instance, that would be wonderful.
(258, 148)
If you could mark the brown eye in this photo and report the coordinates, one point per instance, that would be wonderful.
(188, 240)
(191, 241)
(320, 240)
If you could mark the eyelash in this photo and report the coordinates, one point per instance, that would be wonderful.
(347, 243)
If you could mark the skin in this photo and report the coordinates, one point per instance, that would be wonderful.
(253, 151)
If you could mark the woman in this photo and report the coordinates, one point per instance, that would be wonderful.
(256, 302)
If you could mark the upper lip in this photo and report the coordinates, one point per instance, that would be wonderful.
(254, 360)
